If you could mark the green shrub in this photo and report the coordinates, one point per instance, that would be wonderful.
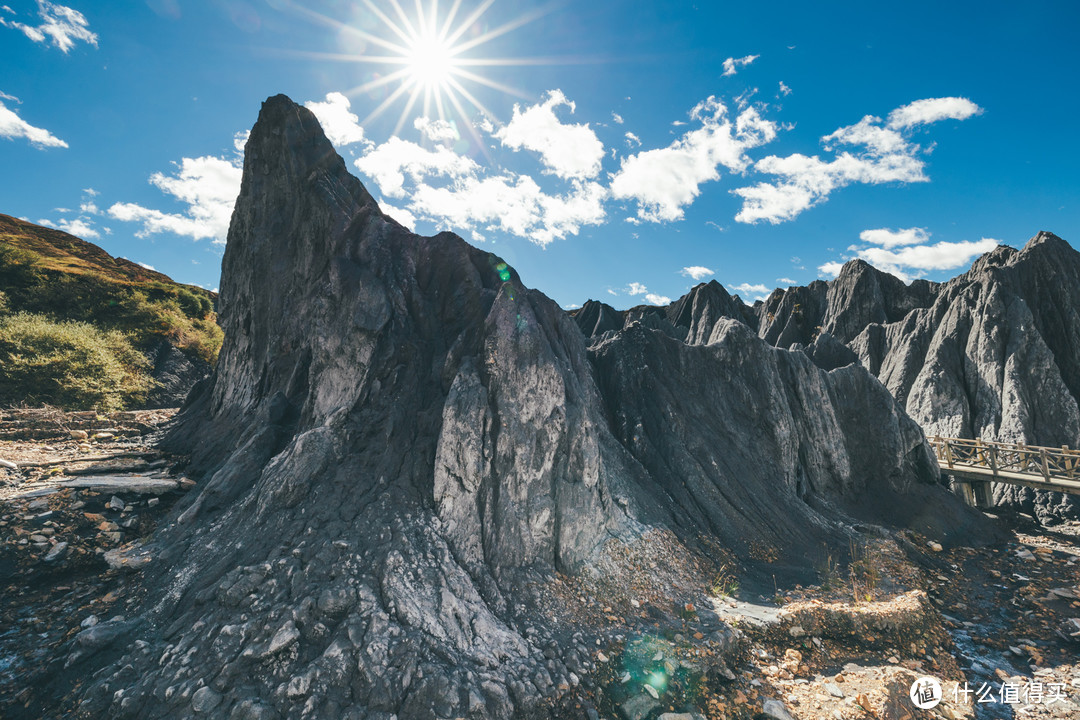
(70, 364)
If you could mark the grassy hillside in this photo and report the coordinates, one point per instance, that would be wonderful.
(61, 296)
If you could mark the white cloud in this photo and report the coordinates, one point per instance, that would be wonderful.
(571, 306)
(240, 140)
(632, 140)
(697, 272)
(889, 239)
(61, 25)
(207, 185)
(510, 203)
(911, 262)
(568, 151)
(636, 289)
(388, 164)
(79, 227)
(12, 98)
(886, 155)
(436, 130)
(341, 126)
(663, 181)
(924, 112)
(91, 192)
(758, 291)
(89, 208)
(731, 64)
(402, 215)
(907, 254)
(145, 265)
(654, 299)
(612, 292)
(830, 269)
(12, 126)
(617, 118)
(786, 281)
(784, 89)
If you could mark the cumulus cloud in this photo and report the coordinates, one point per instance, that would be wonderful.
(758, 292)
(665, 180)
(60, 25)
(617, 118)
(240, 140)
(784, 89)
(924, 112)
(402, 215)
(438, 131)
(632, 140)
(697, 272)
(389, 163)
(914, 261)
(207, 185)
(340, 125)
(786, 281)
(12, 126)
(889, 239)
(636, 289)
(455, 193)
(908, 254)
(509, 203)
(882, 153)
(567, 151)
(830, 269)
(654, 299)
(731, 64)
(79, 227)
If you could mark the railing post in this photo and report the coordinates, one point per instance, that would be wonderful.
(993, 460)
(948, 452)
(1045, 465)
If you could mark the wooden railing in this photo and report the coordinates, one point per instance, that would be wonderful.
(982, 460)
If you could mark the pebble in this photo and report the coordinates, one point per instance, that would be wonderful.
(116, 503)
(652, 691)
(57, 550)
(8, 464)
(79, 435)
(776, 710)
(834, 690)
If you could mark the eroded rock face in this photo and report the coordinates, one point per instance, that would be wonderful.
(993, 353)
(401, 446)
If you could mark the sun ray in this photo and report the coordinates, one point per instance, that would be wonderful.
(479, 141)
(502, 30)
(467, 22)
(389, 23)
(377, 83)
(345, 27)
(404, 19)
(470, 97)
(491, 83)
(408, 108)
(390, 99)
(449, 20)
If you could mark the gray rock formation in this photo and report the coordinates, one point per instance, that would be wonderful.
(993, 353)
(404, 455)
(175, 374)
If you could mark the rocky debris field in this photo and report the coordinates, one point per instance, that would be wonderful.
(78, 493)
(896, 609)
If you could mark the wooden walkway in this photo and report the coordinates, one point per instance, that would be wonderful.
(980, 461)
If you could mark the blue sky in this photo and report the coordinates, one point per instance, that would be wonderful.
(609, 150)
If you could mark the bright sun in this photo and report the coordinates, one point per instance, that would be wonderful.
(430, 51)
(430, 62)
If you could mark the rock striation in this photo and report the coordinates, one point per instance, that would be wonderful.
(403, 454)
(993, 353)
